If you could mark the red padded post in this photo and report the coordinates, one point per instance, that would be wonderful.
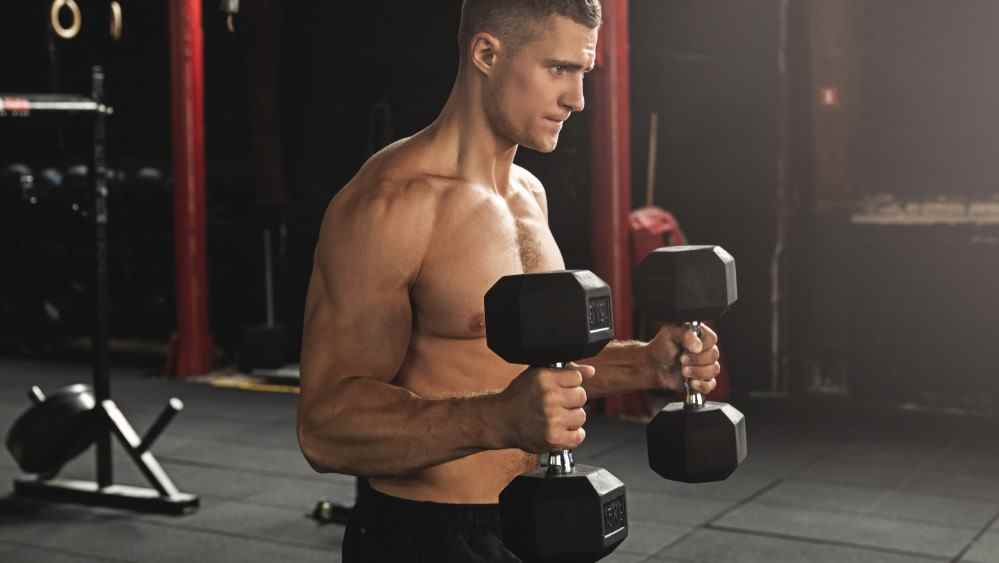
(610, 126)
(192, 352)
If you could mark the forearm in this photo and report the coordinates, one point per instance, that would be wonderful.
(376, 429)
(622, 366)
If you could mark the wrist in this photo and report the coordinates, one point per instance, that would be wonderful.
(648, 369)
(657, 374)
(489, 417)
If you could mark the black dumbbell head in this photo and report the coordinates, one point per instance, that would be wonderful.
(545, 318)
(686, 283)
(696, 445)
(578, 517)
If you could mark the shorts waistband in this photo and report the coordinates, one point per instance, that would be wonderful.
(379, 508)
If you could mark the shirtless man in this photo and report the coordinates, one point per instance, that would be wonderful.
(397, 383)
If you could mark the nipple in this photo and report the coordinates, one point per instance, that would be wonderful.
(478, 323)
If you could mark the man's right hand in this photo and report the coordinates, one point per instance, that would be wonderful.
(542, 408)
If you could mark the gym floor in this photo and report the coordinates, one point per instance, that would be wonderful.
(821, 484)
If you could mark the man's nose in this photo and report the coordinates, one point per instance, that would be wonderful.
(574, 99)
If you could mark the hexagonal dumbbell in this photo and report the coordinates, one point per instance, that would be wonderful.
(561, 511)
(691, 441)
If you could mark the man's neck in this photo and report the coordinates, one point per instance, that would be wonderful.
(463, 136)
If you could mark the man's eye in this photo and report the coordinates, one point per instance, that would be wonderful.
(559, 69)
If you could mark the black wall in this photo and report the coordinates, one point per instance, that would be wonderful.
(928, 98)
(709, 69)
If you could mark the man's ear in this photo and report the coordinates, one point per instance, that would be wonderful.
(485, 52)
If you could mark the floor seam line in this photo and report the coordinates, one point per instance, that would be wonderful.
(960, 555)
(721, 514)
(816, 541)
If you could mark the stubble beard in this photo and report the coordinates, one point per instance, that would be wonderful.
(504, 127)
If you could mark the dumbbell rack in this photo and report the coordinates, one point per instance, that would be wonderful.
(164, 497)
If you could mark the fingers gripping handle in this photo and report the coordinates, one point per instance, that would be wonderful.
(559, 462)
(692, 400)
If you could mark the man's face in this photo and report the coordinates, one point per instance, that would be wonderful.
(535, 90)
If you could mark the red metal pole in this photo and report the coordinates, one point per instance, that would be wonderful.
(611, 166)
(193, 347)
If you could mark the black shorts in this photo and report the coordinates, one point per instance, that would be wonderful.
(387, 529)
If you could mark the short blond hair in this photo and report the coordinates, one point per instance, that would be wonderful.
(517, 22)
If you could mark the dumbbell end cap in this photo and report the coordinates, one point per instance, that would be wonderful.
(697, 445)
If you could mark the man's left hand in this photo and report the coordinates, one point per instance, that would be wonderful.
(676, 353)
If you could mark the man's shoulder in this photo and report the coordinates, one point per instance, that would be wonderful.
(532, 184)
(402, 188)
(397, 172)
(386, 199)
(380, 218)
(529, 180)
(388, 179)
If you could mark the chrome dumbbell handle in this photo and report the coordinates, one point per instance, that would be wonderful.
(692, 400)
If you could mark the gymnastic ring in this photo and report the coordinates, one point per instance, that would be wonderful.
(74, 28)
(117, 20)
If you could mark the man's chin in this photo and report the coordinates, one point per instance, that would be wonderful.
(543, 147)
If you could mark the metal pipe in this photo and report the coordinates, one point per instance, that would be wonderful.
(35, 395)
(173, 407)
(102, 297)
(777, 274)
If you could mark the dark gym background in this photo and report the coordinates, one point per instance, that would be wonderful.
(315, 90)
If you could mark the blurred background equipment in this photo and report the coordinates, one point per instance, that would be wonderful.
(265, 346)
(59, 427)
